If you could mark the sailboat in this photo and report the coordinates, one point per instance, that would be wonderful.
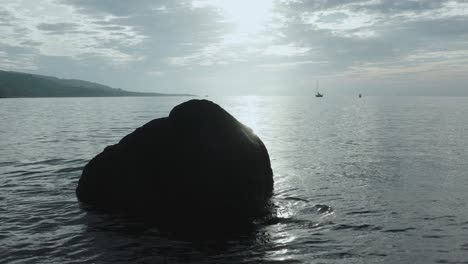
(318, 94)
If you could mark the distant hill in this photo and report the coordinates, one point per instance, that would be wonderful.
(17, 84)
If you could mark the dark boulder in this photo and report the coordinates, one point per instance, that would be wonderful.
(198, 163)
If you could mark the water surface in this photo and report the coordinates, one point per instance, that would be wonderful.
(371, 180)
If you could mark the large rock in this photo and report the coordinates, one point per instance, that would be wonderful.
(198, 163)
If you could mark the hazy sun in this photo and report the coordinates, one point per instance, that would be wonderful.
(249, 17)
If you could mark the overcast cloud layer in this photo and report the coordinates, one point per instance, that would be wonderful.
(241, 46)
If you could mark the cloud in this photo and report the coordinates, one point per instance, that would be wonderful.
(54, 35)
(14, 57)
(5, 18)
(285, 50)
(365, 31)
(197, 45)
(58, 28)
(126, 8)
(286, 65)
(392, 7)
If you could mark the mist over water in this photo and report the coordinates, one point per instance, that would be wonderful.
(377, 179)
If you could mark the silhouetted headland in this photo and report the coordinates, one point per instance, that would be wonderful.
(17, 84)
(197, 166)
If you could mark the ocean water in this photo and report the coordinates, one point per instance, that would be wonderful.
(371, 180)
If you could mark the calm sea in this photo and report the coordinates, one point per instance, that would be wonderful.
(371, 180)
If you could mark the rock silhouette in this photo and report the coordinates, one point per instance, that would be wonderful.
(198, 163)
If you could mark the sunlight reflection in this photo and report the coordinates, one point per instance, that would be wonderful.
(284, 212)
(281, 237)
(287, 239)
(280, 255)
(249, 114)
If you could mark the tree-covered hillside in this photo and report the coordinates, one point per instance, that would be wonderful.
(16, 84)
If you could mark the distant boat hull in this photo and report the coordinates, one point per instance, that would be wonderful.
(318, 94)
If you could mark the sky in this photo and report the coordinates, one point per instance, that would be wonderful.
(243, 47)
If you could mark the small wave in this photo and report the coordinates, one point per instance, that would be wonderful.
(284, 191)
(336, 255)
(362, 227)
(48, 140)
(433, 236)
(446, 261)
(296, 199)
(318, 208)
(303, 223)
(71, 169)
(398, 230)
(76, 140)
(363, 212)
(41, 162)
(317, 241)
(7, 163)
(323, 209)
(439, 217)
(22, 172)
